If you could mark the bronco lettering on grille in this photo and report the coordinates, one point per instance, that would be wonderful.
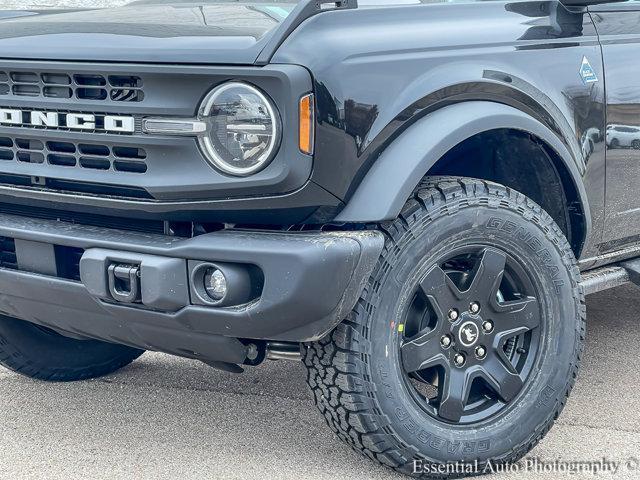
(72, 121)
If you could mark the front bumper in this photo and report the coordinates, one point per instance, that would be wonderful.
(308, 283)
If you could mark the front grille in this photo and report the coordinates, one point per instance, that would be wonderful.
(8, 253)
(69, 154)
(116, 88)
(42, 157)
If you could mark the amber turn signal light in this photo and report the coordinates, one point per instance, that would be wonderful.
(306, 113)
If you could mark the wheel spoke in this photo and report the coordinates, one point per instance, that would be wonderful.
(440, 290)
(422, 352)
(487, 275)
(455, 393)
(521, 315)
(502, 377)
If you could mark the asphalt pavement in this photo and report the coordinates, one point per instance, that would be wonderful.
(168, 418)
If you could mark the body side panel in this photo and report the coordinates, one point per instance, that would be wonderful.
(369, 89)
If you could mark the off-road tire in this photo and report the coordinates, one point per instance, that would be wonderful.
(43, 354)
(354, 386)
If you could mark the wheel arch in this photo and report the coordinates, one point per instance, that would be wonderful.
(418, 151)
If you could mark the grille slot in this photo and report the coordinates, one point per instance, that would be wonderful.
(129, 152)
(90, 80)
(61, 147)
(114, 88)
(58, 92)
(101, 150)
(67, 154)
(22, 77)
(120, 223)
(127, 166)
(30, 157)
(91, 93)
(8, 253)
(95, 163)
(68, 262)
(29, 144)
(61, 160)
(73, 186)
(26, 90)
(56, 79)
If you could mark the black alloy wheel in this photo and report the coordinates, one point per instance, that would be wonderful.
(471, 335)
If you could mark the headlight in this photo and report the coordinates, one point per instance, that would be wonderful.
(243, 128)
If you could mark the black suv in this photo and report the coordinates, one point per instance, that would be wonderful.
(413, 197)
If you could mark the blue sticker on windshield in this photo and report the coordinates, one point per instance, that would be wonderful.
(587, 73)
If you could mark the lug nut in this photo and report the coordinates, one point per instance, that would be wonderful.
(474, 307)
(481, 352)
(453, 314)
(459, 360)
(487, 326)
(445, 341)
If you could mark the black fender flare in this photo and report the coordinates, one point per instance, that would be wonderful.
(400, 167)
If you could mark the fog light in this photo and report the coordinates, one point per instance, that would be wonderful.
(215, 284)
(223, 285)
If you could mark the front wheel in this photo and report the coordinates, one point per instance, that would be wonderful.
(467, 339)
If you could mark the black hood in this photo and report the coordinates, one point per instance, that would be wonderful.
(211, 33)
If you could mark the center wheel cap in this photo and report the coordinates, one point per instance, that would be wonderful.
(468, 334)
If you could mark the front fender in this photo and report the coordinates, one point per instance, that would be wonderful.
(400, 167)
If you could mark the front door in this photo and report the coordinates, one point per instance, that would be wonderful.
(618, 25)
